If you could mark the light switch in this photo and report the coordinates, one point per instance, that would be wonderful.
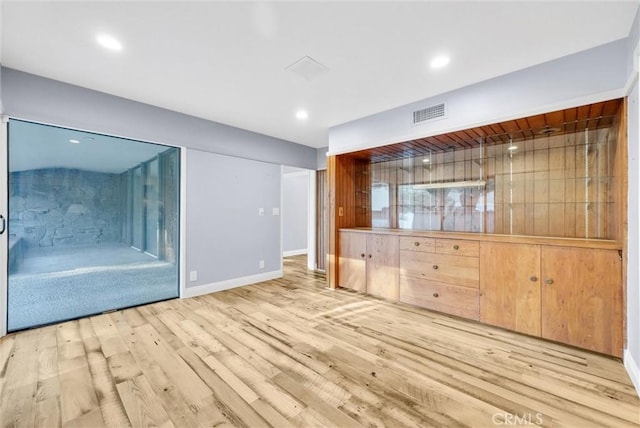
(340, 211)
(275, 211)
(193, 275)
(260, 211)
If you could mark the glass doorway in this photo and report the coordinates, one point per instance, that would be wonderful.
(93, 224)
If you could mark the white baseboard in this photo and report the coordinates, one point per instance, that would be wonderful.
(294, 252)
(633, 369)
(231, 283)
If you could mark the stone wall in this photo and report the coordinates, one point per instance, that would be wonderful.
(55, 207)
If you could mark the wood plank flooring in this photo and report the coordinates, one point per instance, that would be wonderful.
(290, 352)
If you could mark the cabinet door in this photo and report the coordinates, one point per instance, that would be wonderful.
(383, 255)
(352, 263)
(510, 287)
(582, 298)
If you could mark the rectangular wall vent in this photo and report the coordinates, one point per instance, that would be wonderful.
(429, 113)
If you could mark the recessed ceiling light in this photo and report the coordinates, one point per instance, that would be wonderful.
(302, 114)
(439, 61)
(109, 42)
(74, 141)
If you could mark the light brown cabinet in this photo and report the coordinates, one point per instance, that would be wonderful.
(570, 295)
(581, 298)
(510, 286)
(440, 274)
(352, 263)
(369, 263)
(568, 291)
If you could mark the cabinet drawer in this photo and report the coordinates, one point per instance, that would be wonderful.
(423, 245)
(455, 270)
(458, 247)
(450, 299)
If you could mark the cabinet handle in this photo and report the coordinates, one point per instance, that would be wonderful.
(417, 244)
(548, 281)
(435, 294)
(533, 278)
(369, 255)
(362, 255)
(456, 247)
(435, 267)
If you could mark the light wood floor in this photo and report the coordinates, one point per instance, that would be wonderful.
(293, 353)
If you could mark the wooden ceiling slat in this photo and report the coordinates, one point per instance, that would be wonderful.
(468, 134)
(610, 108)
(440, 140)
(571, 115)
(597, 110)
(497, 128)
(555, 119)
(537, 122)
(583, 113)
(511, 126)
(523, 124)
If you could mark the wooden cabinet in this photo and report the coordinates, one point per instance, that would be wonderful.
(382, 266)
(568, 291)
(570, 295)
(510, 286)
(582, 298)
(352, 262)
(440, 274)
(369, 263)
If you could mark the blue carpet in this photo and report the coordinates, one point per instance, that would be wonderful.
(44, 298)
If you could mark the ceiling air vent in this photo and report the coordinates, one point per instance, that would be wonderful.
(429, 113)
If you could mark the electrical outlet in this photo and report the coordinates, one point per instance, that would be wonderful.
(340, 211)
(275, 211)
(261, 264)
(193, 275)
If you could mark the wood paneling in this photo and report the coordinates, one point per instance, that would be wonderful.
(582, 298)
(347, 204)
(510, 286)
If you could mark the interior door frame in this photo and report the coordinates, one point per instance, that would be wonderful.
(4, 238)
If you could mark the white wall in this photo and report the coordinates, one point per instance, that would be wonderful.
(594, 75)
(632, 351)
(226, 235)
(322, 158)
(295, 213)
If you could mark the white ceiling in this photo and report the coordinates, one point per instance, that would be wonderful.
(225, 61)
